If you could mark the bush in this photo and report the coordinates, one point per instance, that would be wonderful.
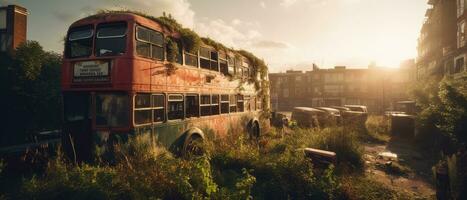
(443, 114)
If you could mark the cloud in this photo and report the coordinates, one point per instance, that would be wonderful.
(269, 44)
(227, 33)
(287, 3)
(63, 16)
(179, 9)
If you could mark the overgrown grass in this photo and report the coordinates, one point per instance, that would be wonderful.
(377, 129)
(364, 188)
(234, 168)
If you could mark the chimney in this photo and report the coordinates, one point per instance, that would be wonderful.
(13, 27)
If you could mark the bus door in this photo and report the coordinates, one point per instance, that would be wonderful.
(77, 128)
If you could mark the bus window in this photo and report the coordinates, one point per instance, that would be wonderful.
(192, 105)
(191, 59)
(231, 64)
(224, 103)
(112, 110)
(233, 103)
(76, 106)
(204, 58)
(223, 65)
(175, 106)
(240, 105)
(205, 105)
(214, 63)
(143, 113)
(111, 39)
(158, 104)
(79, 42)
(179, 58)
(238, 66)
(150, 43)
(215, 104)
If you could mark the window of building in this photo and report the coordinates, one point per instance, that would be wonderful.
(225, 103)
(461, 34)
(259, 103)
(459, 65)
(233, 103)
(149, 43)
(240, 103)
(175, 106)
(205, 105)
(143, 111)
(215, 104)
(192, 105)
(3, 19)
(158, 106)
(460, 7)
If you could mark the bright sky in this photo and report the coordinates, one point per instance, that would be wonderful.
(285, 33)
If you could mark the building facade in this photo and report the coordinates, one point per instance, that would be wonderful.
(13, 27)
(441, 44)
(377, 88)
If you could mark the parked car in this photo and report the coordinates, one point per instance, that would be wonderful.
(333, 116)
(307, 117)
(359, 108)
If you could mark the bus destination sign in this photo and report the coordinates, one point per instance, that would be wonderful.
(91, 71)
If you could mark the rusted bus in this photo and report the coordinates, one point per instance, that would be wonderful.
(117, 81)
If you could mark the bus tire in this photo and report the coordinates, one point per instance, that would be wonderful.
(254, 129)
(194, 143)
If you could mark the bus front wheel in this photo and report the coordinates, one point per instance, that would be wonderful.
(194, 145)
(254, 130)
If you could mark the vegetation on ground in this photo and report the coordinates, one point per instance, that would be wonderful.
(273, 167)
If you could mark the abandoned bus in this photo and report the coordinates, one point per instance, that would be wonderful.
(117, 81)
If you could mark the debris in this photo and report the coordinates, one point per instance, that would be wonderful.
(387, 156)
(320, 157)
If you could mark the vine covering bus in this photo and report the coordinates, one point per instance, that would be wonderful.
(123, 76)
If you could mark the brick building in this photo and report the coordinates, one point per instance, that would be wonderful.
(441, 44)
(377, 88)
(13, 27)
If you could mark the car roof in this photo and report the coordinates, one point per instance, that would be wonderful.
(327, 109)
(307, 109)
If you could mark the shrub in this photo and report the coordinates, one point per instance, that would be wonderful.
(443, 113)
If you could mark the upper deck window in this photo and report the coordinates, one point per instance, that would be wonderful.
(149, 43)
(208, 59)
(79, 42)
(111, 39)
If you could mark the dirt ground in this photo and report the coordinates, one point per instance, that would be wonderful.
(410, 172)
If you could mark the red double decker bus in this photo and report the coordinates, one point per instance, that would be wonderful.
(117, 82)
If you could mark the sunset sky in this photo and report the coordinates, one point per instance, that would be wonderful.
(287, 34)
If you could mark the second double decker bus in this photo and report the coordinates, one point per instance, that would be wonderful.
(115, 83)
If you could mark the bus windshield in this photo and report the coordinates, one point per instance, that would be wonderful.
(112, 110)
(80, 42)
(111, 39)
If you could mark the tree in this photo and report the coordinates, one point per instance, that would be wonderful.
(31, 81)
